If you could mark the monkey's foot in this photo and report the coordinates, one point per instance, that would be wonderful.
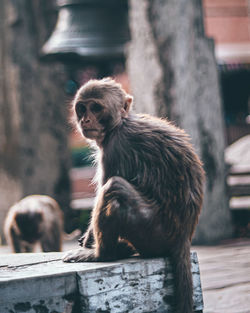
(125, 250)
(80, 255)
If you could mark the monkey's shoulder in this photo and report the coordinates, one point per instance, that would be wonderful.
(144, 138)
(141, 128)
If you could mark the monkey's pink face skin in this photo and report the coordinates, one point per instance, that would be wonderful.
(89, 114)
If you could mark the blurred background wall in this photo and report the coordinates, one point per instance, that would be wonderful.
(166, 59)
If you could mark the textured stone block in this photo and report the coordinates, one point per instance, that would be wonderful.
(41, 282)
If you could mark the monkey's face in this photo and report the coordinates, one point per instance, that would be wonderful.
(29, 223)
(99, 107)
(89, 114)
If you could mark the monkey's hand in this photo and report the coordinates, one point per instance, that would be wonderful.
(87, 239)
(80, 255)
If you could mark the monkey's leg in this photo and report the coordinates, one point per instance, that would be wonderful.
(119, 211)
(117, 206)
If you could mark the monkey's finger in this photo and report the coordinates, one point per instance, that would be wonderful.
(80, 240)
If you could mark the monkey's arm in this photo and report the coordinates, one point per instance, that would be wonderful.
(15, 241)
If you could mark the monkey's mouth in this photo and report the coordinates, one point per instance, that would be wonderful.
(91, 133)
(90, 130)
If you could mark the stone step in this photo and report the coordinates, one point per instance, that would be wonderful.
(41, 282)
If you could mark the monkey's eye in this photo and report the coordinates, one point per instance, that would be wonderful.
(80, 109)
(96, 107)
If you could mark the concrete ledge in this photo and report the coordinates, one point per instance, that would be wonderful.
(41, 282)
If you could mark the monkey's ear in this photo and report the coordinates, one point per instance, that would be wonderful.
(127, 103)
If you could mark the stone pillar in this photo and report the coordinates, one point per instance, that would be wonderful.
(173, 73)
(34, 154)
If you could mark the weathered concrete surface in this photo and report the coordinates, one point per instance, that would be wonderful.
(41, 282)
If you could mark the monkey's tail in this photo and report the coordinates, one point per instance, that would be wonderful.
(73, 235)
(183, 283)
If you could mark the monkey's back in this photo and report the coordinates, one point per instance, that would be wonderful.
(33, 216)
(158, 160)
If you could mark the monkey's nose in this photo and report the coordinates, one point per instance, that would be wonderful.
(85, 120)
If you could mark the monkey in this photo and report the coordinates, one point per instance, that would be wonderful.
(35, 219)
(149, 185)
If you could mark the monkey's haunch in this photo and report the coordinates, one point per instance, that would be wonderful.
(150, 185)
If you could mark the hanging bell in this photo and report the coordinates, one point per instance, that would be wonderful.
(92, 30)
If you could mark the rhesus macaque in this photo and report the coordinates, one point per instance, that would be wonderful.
(34, 219)
(150, 185)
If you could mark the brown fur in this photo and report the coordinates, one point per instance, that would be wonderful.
(150, 185)
(34, 219)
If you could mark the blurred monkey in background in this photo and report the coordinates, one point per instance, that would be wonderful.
(36, 219)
